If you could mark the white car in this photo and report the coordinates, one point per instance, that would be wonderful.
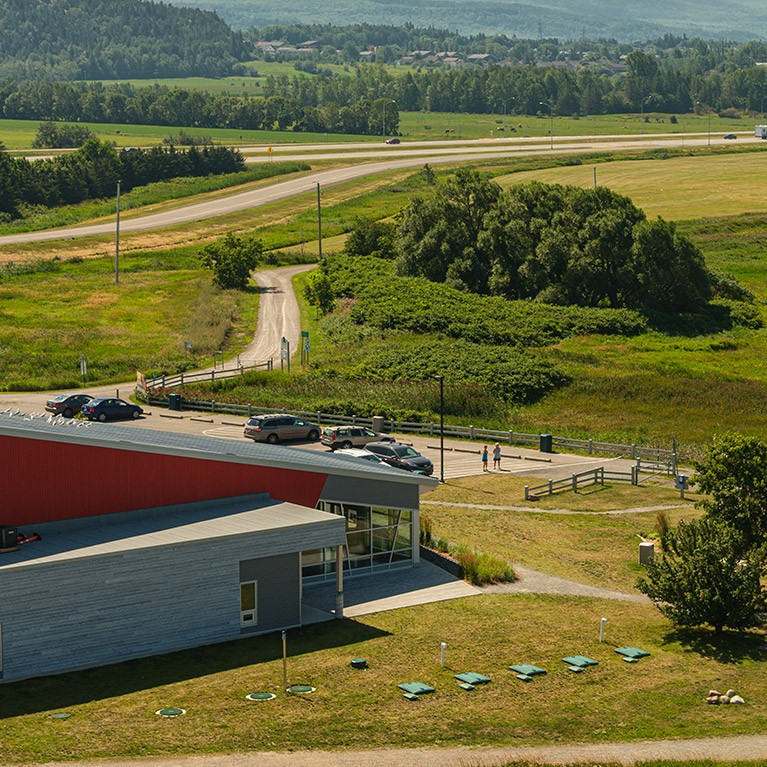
(358, 453)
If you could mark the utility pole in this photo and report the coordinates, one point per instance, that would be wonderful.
(117, 238)
(319, 220)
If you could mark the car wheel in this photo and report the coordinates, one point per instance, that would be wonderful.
(67, 413)
(135, 414)
(314, 434)
(102, 417)
(346, 445)
(272, 439)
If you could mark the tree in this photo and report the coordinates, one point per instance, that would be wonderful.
(318, 291)
(707, 575)
(232, 259)
(370, 238)
(734, 475)
(437, 238)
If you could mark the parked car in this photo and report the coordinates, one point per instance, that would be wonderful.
(280, 428)
(393, 141)
(401, 456)
(359, 454)
(344, 437)
(730, 136)
(110, 409)
(67, 404)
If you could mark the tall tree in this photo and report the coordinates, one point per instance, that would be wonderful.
(707, 575)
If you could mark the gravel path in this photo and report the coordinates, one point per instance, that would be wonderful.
(534, 510)
(744, 748)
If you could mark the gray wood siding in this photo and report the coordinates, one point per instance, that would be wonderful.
(90, 611)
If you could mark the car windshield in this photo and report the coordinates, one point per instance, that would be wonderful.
(406, 452)
(254, 422)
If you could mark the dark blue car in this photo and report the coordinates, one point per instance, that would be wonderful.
(109, 409)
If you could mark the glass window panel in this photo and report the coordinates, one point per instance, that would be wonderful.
(380, 561)
(247, 596)
(404, 537)
(402, 556)
(385, 517)
(358, 543)
(308, 570)
(359, 562)
(312, 557)
(358, 517)
(383, 538)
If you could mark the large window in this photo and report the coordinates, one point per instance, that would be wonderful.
(377, 538)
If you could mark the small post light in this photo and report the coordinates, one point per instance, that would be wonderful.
(284, 661)
(442, 648)
(602, 625)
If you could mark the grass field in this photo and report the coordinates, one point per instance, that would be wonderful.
(160, 303)
(414, 126)
(677, 188)
(662, 696)
(588, 546)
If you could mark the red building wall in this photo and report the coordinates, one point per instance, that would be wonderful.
(46, 481)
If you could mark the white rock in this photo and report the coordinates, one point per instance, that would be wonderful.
(736, 699)
(730, 693)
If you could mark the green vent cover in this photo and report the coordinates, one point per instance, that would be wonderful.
(261, 696)
(170, 712)
(301, 688)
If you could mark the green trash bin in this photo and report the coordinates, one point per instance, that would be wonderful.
(546, 443)
(174, 402)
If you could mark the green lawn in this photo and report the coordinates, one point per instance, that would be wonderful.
(662, 696)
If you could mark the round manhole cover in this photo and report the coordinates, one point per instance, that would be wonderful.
(170, 712)
(301, 688)
(261, 696)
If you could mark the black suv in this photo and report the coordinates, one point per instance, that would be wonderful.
(279, 428)
(401, 456)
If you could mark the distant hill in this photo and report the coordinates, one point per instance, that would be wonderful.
(737, 20)
(88, 39)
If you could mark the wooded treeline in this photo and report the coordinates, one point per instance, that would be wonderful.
(92, 172)
(88, 39)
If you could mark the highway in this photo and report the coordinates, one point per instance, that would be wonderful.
(398, 157)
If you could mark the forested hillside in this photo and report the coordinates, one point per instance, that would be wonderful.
(88, 39)
(622, 20)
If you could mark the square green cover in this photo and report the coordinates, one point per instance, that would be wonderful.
(632, 652)
(527, 669)
(416, 688)
(580, 660)
(470, 677)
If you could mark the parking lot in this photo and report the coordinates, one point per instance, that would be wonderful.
(462, 458)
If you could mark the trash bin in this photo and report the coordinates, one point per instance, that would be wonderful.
(174, 402)
(378, 423)
(546, 443)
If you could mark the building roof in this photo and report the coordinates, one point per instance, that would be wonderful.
(187, 523)
(116, 436)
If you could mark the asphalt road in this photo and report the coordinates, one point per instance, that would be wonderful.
(407, 156)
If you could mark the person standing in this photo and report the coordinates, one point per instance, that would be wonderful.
(484, 458)
(497, 457)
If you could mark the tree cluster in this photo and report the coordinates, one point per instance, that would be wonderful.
(232, 259)
(52, 135)
(92, 172)
(711, 569)
(88, 39)
(556, 244)
(160, 105)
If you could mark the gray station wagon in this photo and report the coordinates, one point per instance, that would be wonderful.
(280, 428)
(344, 437)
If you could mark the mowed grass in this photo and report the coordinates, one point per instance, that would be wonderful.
(589, 536)
(663, 696)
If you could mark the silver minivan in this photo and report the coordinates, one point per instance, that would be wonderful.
(280, 428)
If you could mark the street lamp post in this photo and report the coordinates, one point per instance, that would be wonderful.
(551, 119)
(441, 380)
(383, 116)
